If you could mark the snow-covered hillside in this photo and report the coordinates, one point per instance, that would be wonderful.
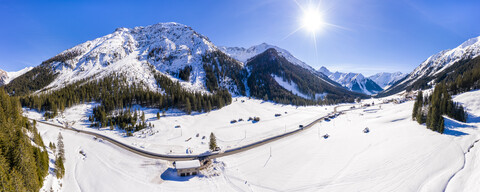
(442, 60)
(385, 80)
(353, 81)
(242, 54)
(6, 77)
(396, 155)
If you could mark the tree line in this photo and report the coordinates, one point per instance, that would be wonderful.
(23, 166)
(115, 93)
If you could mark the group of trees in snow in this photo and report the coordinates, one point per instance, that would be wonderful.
(184, 73)
(23, 165)
(115, 94)
(126, 119)
(430, 109)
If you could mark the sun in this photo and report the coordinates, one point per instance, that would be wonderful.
(312, 20)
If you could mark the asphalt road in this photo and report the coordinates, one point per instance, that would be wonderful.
(205, 155)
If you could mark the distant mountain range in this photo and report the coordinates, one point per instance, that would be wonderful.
(385, 79)
(353, 81)
(190, 59)
(359, 83)
(184, 56)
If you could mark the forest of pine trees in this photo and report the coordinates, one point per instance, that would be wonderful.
(430, 109)
(22, 165)
(115, 95)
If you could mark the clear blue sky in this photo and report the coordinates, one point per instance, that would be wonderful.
(373, 35)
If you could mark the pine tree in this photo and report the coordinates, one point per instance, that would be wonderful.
(5, 181)
(418, 105)
(188, 107)
(61, 150)
(59, 167)
(420, 117)
(213, 142)
(415, 110)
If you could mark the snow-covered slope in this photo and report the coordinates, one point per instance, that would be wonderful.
(385, 80)
(169, 47)
(437, 63)
(440, 61)
(6, 77)
(242, 54)
(290, 86)
(353, 81)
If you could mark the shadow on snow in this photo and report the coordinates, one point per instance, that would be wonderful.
(452, 127)
(171, 175)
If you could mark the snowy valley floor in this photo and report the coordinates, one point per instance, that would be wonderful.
(396, 155)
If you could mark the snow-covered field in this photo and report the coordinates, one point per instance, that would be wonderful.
(166, 138)
(396, 155)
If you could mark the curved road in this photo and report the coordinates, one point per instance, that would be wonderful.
(198, 156)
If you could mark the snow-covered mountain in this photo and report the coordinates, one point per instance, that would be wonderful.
(436, 64)
(6, 77)
(353, 81)
(275, 77)
(3, 77)
(385, 80)
(169, 47)
(246, 55)
(178, 52)
(243, 54)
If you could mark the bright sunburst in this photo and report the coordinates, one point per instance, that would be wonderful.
(312, 20)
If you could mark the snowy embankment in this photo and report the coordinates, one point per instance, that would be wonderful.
(396, 155)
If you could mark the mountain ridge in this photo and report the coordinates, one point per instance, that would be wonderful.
(386, 79)
(426, 74)
(171, 49)
(352, 81)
